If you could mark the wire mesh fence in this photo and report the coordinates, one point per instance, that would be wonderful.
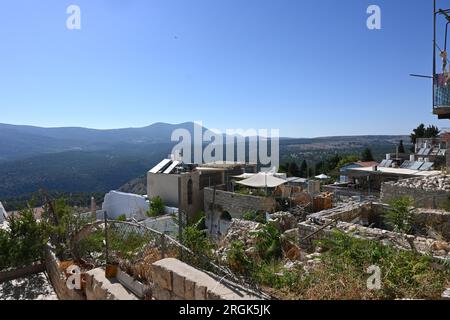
(134, 247)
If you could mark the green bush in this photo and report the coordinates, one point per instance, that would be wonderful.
(157, 207)
(405, 274)
(268, 242)
(195, 237)
(23, 242)
(401, 216)
(237, 259)
(122, 217)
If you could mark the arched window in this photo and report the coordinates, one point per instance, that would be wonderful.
(189, 191)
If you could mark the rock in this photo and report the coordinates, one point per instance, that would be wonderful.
(440, 246)
(440, 253)
(292, 235)
(446, 294)
(290, 250)
(283, 221)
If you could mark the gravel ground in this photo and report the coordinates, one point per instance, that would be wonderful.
(34, 287)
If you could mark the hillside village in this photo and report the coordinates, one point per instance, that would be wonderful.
(358, 229)
(200, 226)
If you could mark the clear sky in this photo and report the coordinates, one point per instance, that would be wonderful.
(310, 68)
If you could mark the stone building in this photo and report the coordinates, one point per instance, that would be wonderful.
(181, 185)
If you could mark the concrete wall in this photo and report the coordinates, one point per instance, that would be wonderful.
(2, 213)
(422, 198)
(119, 203)
(165, 186)
(175, 280)
(191, 209)
(98, 287)
(173, 190)
(233, 203)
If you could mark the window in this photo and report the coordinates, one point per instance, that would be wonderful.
(189, 192)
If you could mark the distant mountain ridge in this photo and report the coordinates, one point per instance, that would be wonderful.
(18, 142)
(90, 160)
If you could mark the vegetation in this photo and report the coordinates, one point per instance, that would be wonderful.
(61, 222)
(126, 245)
(401, 147)
(259, 217)
(196, 239)
(400, 217)
(238, 260)
(23, 242)
(366, 155)
(268, 242)
(424, 132)
(122, 217)
(157, 207)
(342, 272)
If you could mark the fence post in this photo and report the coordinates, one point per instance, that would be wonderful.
(163, 246)
(180, 231)
(105, 216)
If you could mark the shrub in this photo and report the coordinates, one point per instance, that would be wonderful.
(23, 242)
(195, 238)
(268, 242)
(237, 259)
(401, 216)
(122, 217)
(157, 207)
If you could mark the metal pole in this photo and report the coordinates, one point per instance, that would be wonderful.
(105, 216)
(434, 51)
(180, 232)
(163, 246)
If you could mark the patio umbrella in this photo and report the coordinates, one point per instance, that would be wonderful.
(322, 177)
(262, 180)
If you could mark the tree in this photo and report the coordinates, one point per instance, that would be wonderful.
(422, 132)
(401, 147)
(293, 170)
(366, 155)
(346, 160)
(303, 169)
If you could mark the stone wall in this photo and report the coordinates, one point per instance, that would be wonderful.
(175, 280)
(423, 245)
(437, 220)
(424, 198)
(58, 278)
(234, 204)
(98, 287)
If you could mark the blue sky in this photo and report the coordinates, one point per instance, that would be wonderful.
(309, 68)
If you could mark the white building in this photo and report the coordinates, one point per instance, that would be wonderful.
(118, 203)
(2, 213)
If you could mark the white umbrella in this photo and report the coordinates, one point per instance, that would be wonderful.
(245, 176)
(322, 177)
(262, 180)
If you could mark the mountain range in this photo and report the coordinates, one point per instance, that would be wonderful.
(89, 160)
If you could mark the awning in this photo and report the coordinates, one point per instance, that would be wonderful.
(262, 180)
(245, 176)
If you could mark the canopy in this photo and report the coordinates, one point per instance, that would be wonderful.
(245, 176)
(262, 180)
(322, 177)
